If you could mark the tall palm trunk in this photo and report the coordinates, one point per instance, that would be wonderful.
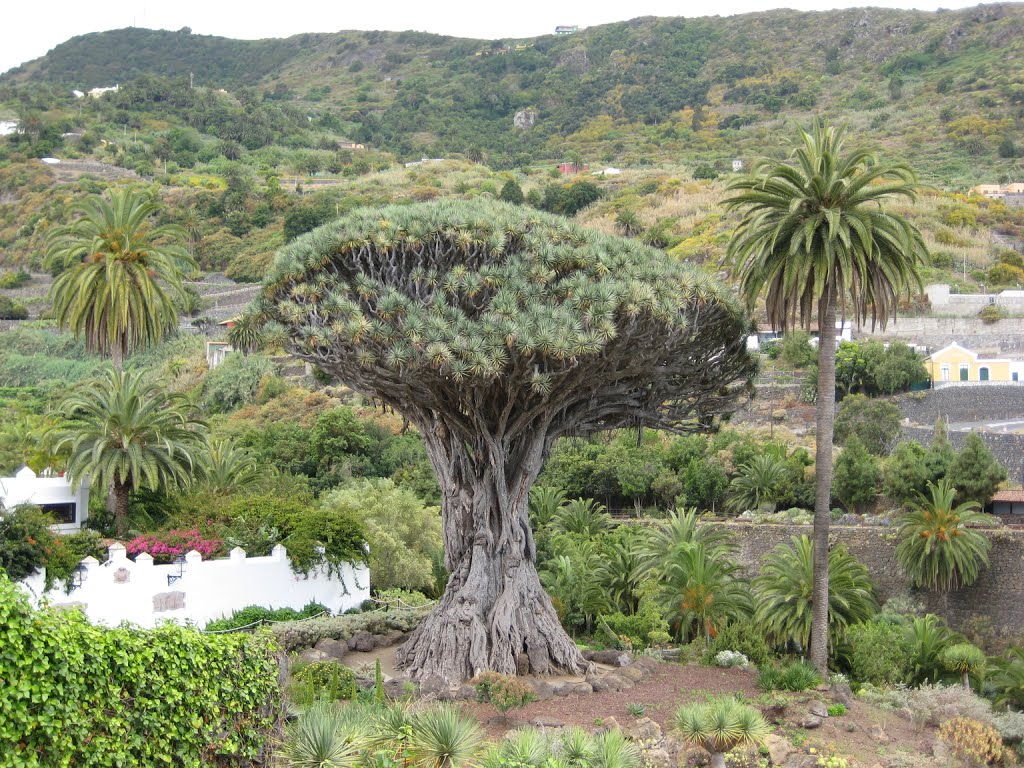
(118, 502)
(825, 410)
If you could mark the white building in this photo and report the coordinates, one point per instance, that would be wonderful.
(55, 494)
(737, 166)
(216, 352)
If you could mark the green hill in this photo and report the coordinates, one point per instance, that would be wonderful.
(944, 90)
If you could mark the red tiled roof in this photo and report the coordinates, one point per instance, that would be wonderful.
(1017, 496)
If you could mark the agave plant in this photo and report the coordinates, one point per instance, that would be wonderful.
(719, 726)
(965, 659)
(323, 737)
(444, 737)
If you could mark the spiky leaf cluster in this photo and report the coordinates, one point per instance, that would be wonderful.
(491, 309)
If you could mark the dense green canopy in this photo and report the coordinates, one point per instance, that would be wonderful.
(481, 309)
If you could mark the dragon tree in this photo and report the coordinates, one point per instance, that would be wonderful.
(496, 329)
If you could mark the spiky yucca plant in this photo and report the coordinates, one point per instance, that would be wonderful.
(323, 738)
(965, 659)
(496, 329)
(444, 737)
(719, 726)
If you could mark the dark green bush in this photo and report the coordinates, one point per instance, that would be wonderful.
(25, 541)
(878, 653)
(12, 310)
(79, 694)
(745, 637)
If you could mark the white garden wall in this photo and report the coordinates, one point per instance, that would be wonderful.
(139, 591)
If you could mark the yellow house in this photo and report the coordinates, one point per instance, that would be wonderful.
(956, 363)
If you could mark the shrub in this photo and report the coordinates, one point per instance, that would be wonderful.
(254, 614)
(235, 382)
(878, 653)
(328, 680)
(12, 310)
(973, 741)
(502, 692)
(745, 637)
(935, 704)
(730, 659)
(1010, 726)
(837, 710)
(25, 541)
(80, 694)
(796, 676)
(638, 627)
(964, 659)
(165, 546)
(14, 279)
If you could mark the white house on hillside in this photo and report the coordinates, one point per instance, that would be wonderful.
(51, 493)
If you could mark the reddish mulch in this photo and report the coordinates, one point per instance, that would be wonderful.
(852, 735)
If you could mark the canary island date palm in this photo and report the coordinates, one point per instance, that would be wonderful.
(496, 329)
(816, 239)
(784, 592)
(119, 274)
(941, 547)
(126, 434)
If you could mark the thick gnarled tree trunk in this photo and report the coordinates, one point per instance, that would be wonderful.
(494, 608)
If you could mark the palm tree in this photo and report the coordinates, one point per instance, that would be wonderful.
(721, 725)
(785, 592)
(246, 334)
(816, 238)
(546, 501)
(678, 530)
(126, 435)
(701, 591)
(938, 548)
(624, 573)
(757, 483)
(583, 516)
(223, 466)
(120, 274)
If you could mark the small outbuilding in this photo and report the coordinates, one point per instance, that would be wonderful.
(56, 494)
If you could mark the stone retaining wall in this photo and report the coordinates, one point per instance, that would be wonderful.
(998, 593)
(936, 332)
(985, 402)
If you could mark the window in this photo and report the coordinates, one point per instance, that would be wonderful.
(63, 514)
(964, 369)
(983, 374)
(945, 372)
(1014, 377)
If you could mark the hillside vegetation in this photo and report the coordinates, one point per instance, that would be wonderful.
(943, 90)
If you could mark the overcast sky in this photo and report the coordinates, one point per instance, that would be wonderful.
(30, 28)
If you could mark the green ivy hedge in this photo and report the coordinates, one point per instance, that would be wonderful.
(75, 694)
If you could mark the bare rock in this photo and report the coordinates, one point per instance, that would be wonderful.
(312, 654)
(618, 683)
(542, 689)
(547, 722)
(798, 760)
(645, 730)
(657, 758)
(841, 693)
(611, 658)
(632, 672)
(335, 649)
(581, 689)
(645, 663)
(562, 689)
(778, 749)
(524, 119)
(611, 724)
(818, 709)
(362, 641)
(435, 686)
(810, 722)
(877, 732)
(465, 693)
(599, 683)
(394, 637)
(396, 688)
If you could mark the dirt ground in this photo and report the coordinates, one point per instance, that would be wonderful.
(866, 735)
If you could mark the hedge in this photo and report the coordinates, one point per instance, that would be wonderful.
(76, 694)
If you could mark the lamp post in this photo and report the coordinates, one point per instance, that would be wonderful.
(78, 577)
(173, 577)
